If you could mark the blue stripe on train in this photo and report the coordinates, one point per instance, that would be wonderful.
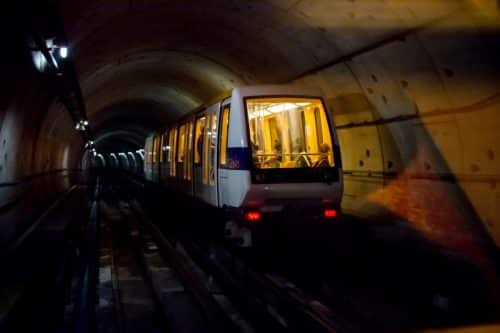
(238, 158)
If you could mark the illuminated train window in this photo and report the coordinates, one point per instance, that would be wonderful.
(213, 149)
(155, 148)
(171, 155)
(199, 132)
(287, 132)
(181, 143)
(188, 151)
(223, 136)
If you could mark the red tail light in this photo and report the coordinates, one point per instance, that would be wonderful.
(252, 216)
(330, 213)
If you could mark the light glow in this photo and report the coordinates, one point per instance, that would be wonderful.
(252, 216)
(330, 213)
(282, 107)
(63, 52)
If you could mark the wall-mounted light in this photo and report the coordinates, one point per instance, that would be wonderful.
(63, 52)
(81, 125)
(39, 61)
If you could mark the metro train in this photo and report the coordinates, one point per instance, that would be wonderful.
(260, 153)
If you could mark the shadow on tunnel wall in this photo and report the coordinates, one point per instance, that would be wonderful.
(417, 121)
(23, 201)
(421, 202)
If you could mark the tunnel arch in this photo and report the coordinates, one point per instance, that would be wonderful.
(413, 88)
(304, 42)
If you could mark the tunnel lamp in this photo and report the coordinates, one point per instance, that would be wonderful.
(63, 52)
(81, 125)
(49, 43)
(39, 61)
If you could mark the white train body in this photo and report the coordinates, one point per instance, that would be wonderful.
(241, 153)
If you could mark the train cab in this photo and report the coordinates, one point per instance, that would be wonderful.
(286, 160)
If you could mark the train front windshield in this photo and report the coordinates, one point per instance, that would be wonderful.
(289, 133)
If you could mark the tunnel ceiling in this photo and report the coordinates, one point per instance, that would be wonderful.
(144, 63)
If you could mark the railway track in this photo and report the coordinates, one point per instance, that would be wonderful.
(127, 273)
(220, 292)
(268, 295)
(146, 286)
(127, 276)
(266, 302)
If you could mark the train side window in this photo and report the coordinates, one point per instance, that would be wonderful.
(213, 149)
(169, 146)
(187, 150)
(173, 144)
(165, 147)
(181, 144)
(147, 152)
(155, 149)
(164, 141)
(224, 136)
(190, 151)
(206, 139)
(199, 134)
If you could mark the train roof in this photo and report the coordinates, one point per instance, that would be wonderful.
(276, 90)
(252, 90)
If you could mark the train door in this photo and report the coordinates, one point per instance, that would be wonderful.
(188, 166)
(199, 134)
(148, 158)
(163, 157)
(156, 144)
(223, 175)
(184, 161)
(172, 142)
(206, 190)
(181, 145)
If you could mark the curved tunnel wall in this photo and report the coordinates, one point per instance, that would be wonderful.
(418, 125)
(39, 148)
(413, 87)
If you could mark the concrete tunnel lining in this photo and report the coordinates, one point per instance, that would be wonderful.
(300, 36)
(179, 54)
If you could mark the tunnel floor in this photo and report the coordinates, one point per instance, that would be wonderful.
(156, 263)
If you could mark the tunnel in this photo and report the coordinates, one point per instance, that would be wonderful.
(412, 86)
